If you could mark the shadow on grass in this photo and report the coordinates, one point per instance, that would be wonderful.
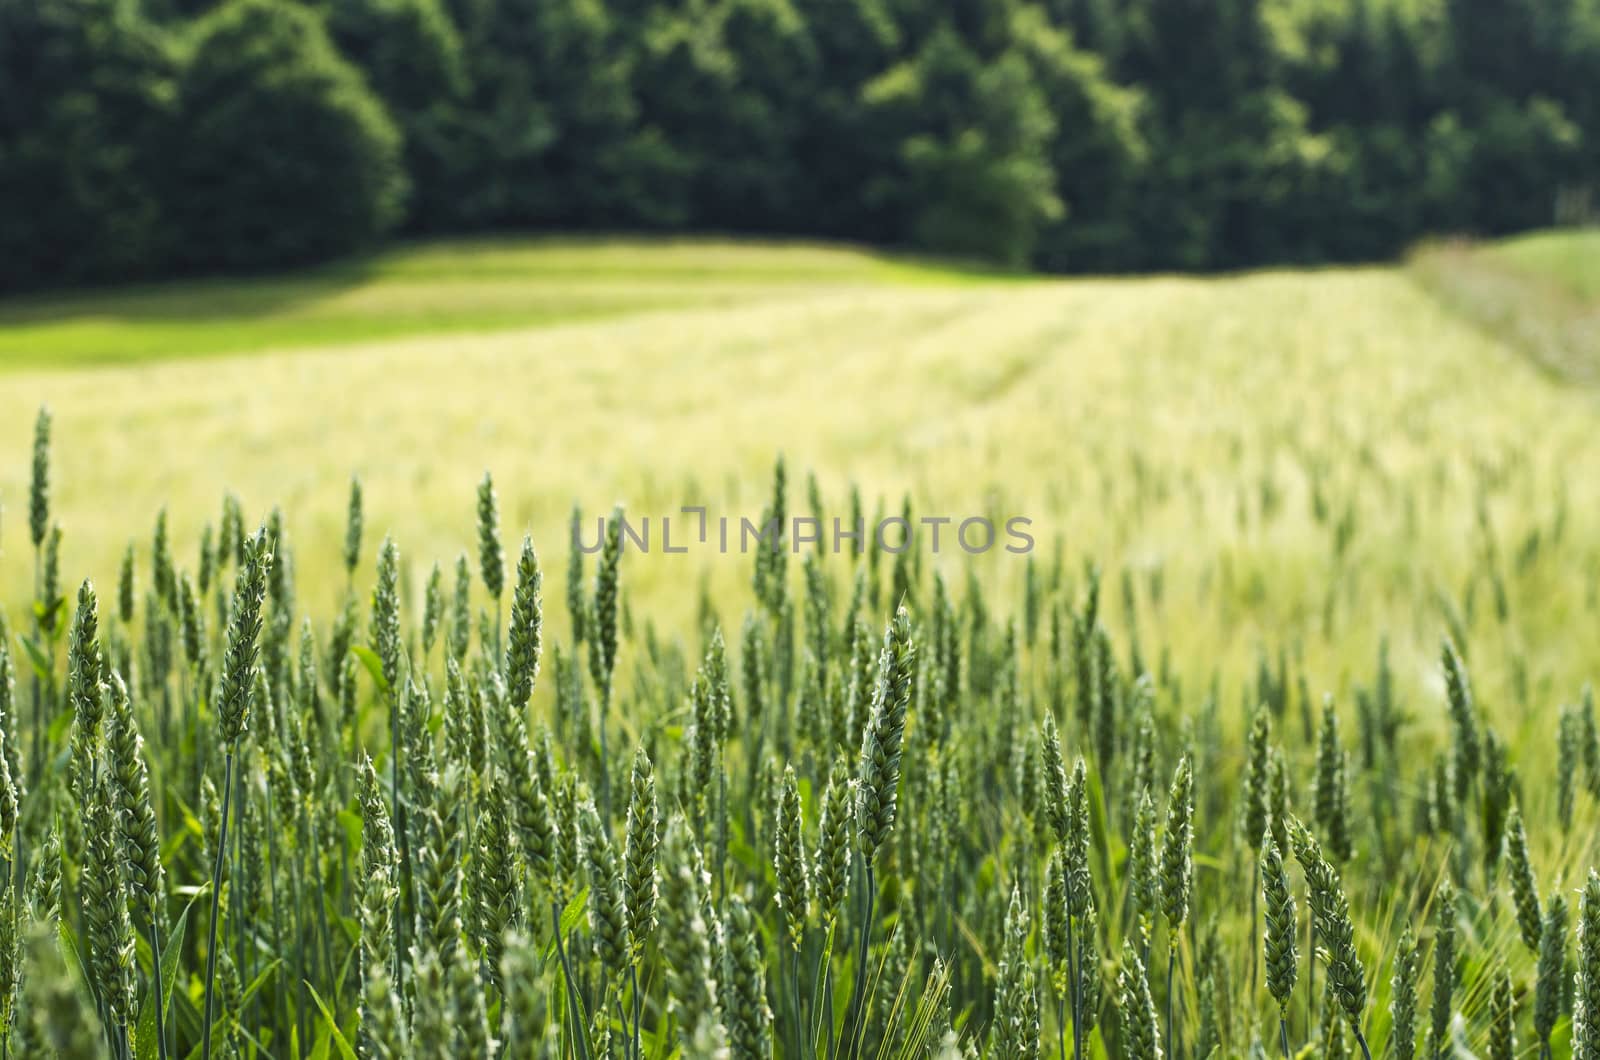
(223, 297)
(493, 283)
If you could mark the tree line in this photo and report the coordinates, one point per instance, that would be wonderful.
(151, 137)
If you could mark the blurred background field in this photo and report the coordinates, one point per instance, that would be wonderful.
(1316, 458)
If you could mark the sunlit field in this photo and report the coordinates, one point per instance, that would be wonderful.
(1225, 435)
(1275, 474)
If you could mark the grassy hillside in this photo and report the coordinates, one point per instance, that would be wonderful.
(433, 288)
(1571, 260)
(1539, 293)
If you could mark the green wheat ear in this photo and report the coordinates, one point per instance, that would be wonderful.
(1089, 984)
(495, 905)
(1502, 1018)
(1586, 995)
(1177, 860)
(1057, 926)
(50, 600)
(8, 799)
(353, 528)
(243, 640)
(192, 625)
(1524, 888)
(1330, 913)
(130, 789)
(1332, 785)
(385, 631)
(831, 865)
(1551, 986)
(1056, 808)
(491, 561)
(127, 586)
(878, 776)
(1144, 881)
(1256, 788)
(1463, 713)
(39, 484)
(1569, 749)
(689, 933)
(469, 1010)
(1136, 1009)
(105, 909)
(85, 672)
(577, 600)
(745, 1012)
(608, 917)
(525, 635)
(789, 861)
(1080, 884)
(1281, 927)
(1403, 998)
(432, 1033)
(377, 864)
(9, 708)
(438, 884)
(1589, 738)
(162, 574)
(432, 609)
(1444, 963)
(460, 633)
(640, 854)
(1016, 1032)
(601, 617)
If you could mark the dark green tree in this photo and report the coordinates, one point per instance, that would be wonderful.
(973, 176)
(838, 145)
(286, 155)
(555, 136)
(85, 103)
(721, 82)
(411, 54)
(1098, 150)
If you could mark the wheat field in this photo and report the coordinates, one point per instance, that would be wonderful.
(1280, 478)
(1134, 420)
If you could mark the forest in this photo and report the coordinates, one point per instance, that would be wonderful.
(144, 138)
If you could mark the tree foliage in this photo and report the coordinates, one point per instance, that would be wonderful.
(147, 135)
(284, 153)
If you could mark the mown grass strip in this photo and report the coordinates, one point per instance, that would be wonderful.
(1540, 295)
